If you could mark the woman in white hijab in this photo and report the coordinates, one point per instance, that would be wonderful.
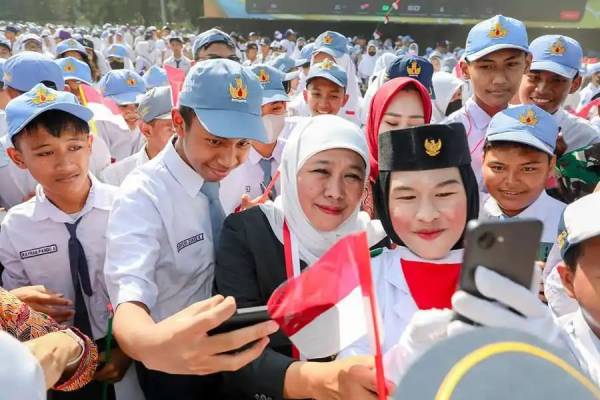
(324, 171)
(448, 95)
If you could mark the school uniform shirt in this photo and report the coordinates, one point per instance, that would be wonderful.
(475, 121)
(576, 131)
(42, 258)
(183, 63)
(584, 344)
(544, 208)
(121, 142)
(248, 179)
(404, 283)
(116, 173)
(160, 248)
(586, 95)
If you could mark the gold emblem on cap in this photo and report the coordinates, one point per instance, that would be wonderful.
(413, 69)
(328, 39)
(42, 95)
(433, 147)
(561, 239)
(69, 67)
(239, 92)
(326, 64)
(497, 31)
(529, 118)
(263, 76)
(557, 48)
(131, 81)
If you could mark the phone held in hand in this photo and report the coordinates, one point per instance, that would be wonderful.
(242, 318)
(508, 247)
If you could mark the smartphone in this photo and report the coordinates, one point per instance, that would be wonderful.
(508, 247)
(242, 318)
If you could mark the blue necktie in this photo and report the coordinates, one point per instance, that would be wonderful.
(80, 277)
(217, 215)
(265, 164)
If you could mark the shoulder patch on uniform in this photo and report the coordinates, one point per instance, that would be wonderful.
(376, 252)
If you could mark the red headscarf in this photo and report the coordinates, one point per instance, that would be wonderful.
(377, 109)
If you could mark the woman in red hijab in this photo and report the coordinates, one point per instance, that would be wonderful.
(399, 103)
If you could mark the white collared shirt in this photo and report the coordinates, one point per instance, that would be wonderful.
(184, 63)
(395, 302)
(159, 240)
(34, 248)
(584, 344)
(476, 122)
(544, 208)
(576, 131)
(116, 173)
(121, 142)
(586, 95)
(248, 178)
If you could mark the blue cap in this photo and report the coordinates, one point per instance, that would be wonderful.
(117, 51)
(286, 64)
(579, 222)
(70, 45)
(333, 43)
(22, 109)
(555, 53)
(330, 71)
(415, 67)
(157, 103)
(496, 33)
(593, 68)
(211, 36)
(306, 52)
(526, 124)
(155, 76)
(75, 69)
(227, 99)
(271, 80)
(5, 43)
(124, 86)
(28, 68)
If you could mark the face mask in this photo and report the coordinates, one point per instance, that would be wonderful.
(453, 106)
(273, 126)
(372, 53)
(115, 64)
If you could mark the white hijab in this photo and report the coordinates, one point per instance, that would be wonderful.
(444, 86)
(317, 134)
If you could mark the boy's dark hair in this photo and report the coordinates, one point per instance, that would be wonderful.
(500, 144)
(188, 116)
(55, 122)
(572, 256)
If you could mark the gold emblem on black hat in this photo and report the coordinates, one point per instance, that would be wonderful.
(433, 147)
(561, 239)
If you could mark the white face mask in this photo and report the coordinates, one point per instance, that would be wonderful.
(273, 126)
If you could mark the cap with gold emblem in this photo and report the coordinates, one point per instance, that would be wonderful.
(271, 80)
(23, 109)
(525, 124)
(415, 67)
(424, 147)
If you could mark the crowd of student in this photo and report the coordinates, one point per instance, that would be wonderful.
(132, 232)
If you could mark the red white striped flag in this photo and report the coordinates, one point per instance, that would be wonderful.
(331, 304)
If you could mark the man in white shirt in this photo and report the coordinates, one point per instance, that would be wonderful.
(165, 223)
(593, 88)
(156, 126)
(178, 60)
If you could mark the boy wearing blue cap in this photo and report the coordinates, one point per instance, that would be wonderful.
(69, 212)
(495, 59)
(579, 242)
(124, 87)
(518, 159)
(5, 49)
(553, 76)
(325, 91)
(213, 44)
(155, 76)
(246, 184)
(165, 223)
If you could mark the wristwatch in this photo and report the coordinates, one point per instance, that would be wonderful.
(81, 344)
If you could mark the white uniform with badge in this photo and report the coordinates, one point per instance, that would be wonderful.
(544, 208)
(43, 258)
(583, 343)
(116, 173)
(576, 131)
(121, 142)
(160, 248)
(248, 179)
(475, 121)
(394, 299)
(184, 63)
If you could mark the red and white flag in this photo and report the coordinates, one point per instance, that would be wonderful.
(104, 109)
(331, 304)
(175, 76)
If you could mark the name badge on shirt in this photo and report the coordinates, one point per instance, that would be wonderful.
(190, 241)
(40, 251)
